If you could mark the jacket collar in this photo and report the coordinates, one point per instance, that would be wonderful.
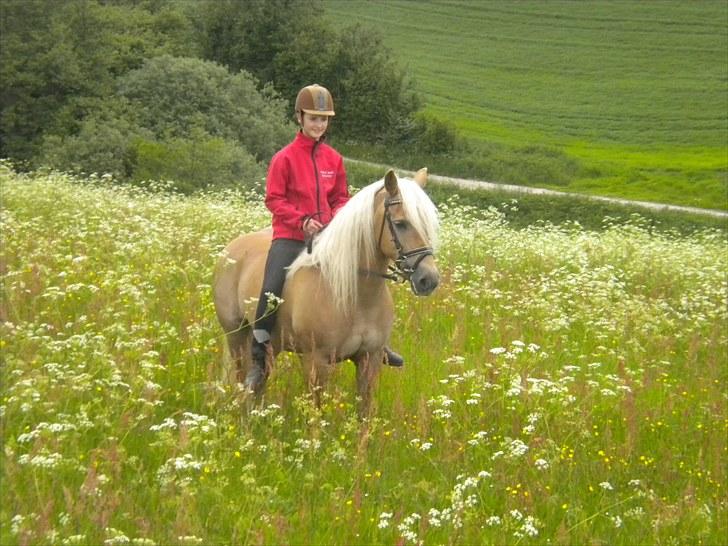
(307, 142)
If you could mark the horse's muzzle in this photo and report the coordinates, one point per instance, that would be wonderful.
(425, 278)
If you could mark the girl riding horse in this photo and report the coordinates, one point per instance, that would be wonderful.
(305, 187)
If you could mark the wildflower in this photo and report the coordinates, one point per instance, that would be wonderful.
(455, 359)
(515, 386)
(117, 537)
(541, 464)
(434, 516)
(516, 448)
(49, 461)
(498, 350)
(529, 527)
(384, 520)
(168, 423)
(606, 486)
(189, 540)
(74, 539)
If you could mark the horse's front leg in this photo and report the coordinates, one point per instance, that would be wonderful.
(318, 371)
(368, 366)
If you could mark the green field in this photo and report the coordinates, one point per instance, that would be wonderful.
(563, 386)
(635, 92)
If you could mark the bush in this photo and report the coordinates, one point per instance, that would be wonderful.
(175, 96)
(434, 136)
(196, 164)
(103, 145)
(182, 119)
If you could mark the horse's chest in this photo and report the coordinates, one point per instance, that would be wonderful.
(364, 338)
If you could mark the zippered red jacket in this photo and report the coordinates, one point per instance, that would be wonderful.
(305, 178)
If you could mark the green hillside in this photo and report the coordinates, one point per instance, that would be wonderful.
(635, 92)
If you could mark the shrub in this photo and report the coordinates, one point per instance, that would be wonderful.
(177, 118)
(194, 164)
(174, 96)
(103, 145)
(434, 136)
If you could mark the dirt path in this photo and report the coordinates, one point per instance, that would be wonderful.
(492, 186)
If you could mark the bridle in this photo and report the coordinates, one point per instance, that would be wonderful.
(407, 261)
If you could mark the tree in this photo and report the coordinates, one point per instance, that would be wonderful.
(172, 96)
(180, 119)
(59, 58)
(291, 44)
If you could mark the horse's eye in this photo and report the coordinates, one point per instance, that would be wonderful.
(400, 224)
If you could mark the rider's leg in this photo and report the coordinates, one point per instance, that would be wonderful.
(281, 255)
(393, 359)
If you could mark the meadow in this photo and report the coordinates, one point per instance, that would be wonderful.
(620, 98)
(562, 385)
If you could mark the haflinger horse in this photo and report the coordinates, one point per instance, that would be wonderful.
(336, 304)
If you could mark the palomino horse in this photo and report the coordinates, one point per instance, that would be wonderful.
(336, 304)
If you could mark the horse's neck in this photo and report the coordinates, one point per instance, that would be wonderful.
(372, 277)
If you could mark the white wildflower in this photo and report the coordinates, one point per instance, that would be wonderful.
(384, 520)
(541, 464)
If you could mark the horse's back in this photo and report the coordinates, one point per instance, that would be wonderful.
(239, 275)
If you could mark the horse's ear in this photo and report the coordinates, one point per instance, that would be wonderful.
(421, 177)
(390, 182)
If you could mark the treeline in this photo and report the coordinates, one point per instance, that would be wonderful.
(199, 92)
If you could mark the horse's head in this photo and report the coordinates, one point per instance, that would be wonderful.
(411, 221)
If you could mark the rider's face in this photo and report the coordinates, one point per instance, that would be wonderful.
(313, 126)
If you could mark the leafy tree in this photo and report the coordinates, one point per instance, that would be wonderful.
(291, 44)
(103, 144)
(378, 102)
(59, 58)
(178, 118)
(172, 96)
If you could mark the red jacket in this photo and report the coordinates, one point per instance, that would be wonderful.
(305, 178)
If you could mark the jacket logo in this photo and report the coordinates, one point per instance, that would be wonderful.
(327, 174)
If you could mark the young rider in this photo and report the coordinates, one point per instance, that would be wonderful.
(306, 185)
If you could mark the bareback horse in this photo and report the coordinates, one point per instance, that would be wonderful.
(336, 304)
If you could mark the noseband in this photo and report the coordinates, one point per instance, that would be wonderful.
(402, 270)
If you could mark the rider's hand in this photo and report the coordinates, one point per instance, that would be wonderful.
(312, 226)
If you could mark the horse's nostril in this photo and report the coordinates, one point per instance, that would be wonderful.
(425, 284)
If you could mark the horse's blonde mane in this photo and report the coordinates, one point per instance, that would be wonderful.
(351, 234)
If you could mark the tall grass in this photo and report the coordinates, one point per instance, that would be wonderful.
(610, 98)
(561, 386)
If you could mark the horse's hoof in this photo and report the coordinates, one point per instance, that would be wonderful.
(255, 380)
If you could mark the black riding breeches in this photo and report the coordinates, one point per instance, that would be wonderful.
(281, 255)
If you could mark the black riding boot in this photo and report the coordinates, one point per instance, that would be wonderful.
(393, 359)
(258, 373)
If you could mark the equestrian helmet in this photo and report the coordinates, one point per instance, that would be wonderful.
(315, 99)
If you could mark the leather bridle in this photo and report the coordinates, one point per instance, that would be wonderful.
(407, 261)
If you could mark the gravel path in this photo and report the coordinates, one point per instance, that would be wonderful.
(480, 185)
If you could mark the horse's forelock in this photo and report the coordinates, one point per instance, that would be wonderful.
(420, 210)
